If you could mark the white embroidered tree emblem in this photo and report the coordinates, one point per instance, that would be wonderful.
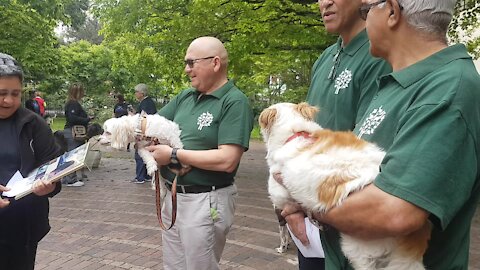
(372, 121)
(204, 120)
(343, 80)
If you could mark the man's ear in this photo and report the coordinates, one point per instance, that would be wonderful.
(395, 13)
(217, 63)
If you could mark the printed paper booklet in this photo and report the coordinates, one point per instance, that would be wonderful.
(53, 171)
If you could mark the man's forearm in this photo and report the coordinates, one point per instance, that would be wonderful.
(372, 213)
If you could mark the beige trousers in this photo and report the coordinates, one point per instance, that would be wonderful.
(197, 239)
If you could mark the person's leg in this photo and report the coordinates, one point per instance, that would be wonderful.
(172, 248)
(197, 231)
(18, 257)
(196, 242)
(140, 168)
(310, 263)
(222, 204)
(71, 144)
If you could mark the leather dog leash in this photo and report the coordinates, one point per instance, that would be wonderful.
(158, 201)
(140, 130)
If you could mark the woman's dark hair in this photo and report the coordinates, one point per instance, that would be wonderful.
(120, 98)
(10, 67)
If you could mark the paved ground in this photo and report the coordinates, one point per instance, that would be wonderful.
(111, 223)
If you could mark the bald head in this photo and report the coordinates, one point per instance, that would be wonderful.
(209, 46)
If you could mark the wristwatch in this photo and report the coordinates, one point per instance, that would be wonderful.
(173, 156)
(322, 227)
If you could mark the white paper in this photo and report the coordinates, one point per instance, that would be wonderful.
(314, 250)
(17, 185)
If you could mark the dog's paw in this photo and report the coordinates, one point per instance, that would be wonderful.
(151, 168)
(282, 249)
(152, 184)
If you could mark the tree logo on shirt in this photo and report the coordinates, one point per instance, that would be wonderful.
(372, 122)
(204, 120)
(343, 80)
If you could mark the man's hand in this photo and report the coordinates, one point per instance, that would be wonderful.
(295, 217)
(161, 153)
(43, 187)
(4, 202)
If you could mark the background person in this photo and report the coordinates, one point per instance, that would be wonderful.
(148, 106)
(425, 115)
(121, 107)
(216, 121)
(31, 103)
(27, 142)
(75, 115)
(41, 103)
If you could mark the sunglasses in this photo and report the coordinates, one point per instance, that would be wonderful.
(191, 62)
(365, 8)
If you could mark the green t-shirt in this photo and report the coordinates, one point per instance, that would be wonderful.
(342, 89)
(426, 117)
(344, 81)
(207, 121)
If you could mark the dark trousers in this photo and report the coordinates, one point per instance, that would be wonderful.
(18, 257)
(310, 263)
(140, 168)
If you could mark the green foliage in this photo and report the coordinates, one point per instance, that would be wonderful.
(465, 25)
(145, 42)
(58, 123)
(263, 38)
(28, 36)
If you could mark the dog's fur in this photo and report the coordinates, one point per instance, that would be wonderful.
(119, 132)
(321, 170)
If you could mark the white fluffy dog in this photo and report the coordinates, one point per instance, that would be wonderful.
(119, 132)
(319, 169)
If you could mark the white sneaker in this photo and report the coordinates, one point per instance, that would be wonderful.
(76, 184)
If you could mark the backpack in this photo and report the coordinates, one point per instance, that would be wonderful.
(41, 104)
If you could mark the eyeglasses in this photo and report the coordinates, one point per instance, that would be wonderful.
(191, 62)
(365, 8)
(336, 63)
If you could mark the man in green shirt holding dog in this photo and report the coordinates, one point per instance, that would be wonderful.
(425, 115)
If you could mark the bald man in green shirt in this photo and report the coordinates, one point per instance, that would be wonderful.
(216, 120)
(426, 116)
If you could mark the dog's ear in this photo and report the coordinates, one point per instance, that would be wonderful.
(267, 118)
(306, 110)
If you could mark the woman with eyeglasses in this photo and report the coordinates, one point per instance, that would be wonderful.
(27, 142)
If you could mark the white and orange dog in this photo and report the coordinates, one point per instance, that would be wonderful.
(142, 129)
(319, 169)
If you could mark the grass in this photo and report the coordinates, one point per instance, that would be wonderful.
(255, 135)
(57, 123)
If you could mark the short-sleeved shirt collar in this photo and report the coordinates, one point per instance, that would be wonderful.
(220, 92)
(355, 44)
(408, 76)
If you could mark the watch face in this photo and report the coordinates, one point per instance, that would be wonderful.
(174, 161)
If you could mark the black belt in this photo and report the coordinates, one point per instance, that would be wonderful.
(195, 188)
